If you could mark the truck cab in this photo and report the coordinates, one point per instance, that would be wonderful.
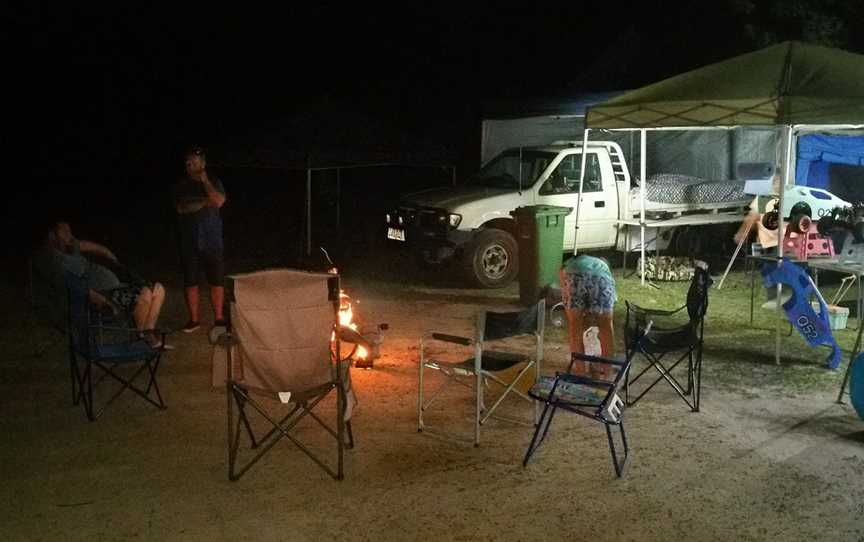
(472, 223)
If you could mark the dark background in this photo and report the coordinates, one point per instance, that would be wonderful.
(106, 96)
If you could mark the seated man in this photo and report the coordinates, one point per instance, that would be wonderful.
(143, 301)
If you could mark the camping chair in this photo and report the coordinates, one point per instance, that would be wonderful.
(484, 365)
(669, 335)
(596, 399)
(100, 342)
(281, 345)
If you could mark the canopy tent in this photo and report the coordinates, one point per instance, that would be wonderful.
(792, 85)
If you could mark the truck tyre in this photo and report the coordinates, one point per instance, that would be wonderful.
(491, 259)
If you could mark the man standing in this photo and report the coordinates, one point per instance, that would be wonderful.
(197, 199)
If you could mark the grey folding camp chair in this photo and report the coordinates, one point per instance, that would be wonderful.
(482, 365)
(282, 347)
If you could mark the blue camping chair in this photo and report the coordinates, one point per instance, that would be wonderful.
(595, 399)
(102, 342)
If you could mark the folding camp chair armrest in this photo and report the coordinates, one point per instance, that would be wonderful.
(579, 379)
(103, 327)
(465, 341)
(596, 359)
(653, 312)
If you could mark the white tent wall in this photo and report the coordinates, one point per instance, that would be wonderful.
(501, 134)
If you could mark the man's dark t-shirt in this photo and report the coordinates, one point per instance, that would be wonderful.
(201, 230)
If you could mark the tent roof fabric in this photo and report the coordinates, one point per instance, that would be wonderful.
(788, 83)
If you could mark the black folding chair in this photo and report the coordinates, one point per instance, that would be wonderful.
(670, 334)
(282, 348)
(597, 399)
(99, 342)
(482, 364)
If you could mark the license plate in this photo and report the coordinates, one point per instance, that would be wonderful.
(395, 234)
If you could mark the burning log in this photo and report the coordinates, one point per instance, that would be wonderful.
(366, 340)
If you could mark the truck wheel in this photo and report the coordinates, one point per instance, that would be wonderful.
(491, 259)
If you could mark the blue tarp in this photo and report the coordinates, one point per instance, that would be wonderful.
(817, 152)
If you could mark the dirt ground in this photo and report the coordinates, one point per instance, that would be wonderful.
(754, 464)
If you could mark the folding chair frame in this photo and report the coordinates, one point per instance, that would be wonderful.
(454, 373)
(688, 338)
(603, 413)
(82, 365)
(689, 392)
(301, 407)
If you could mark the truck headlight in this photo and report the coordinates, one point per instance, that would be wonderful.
(387, 218)
(454, 220)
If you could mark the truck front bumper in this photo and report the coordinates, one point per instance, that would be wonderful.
(433, 241)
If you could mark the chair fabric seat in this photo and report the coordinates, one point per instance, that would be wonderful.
(567, 392)
(661, 340)
(124, 352)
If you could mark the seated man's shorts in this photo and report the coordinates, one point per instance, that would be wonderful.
(588, 293)
(125, 297)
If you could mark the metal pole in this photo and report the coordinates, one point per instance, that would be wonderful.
(581, 183)
(642, 175)
(780, 239)
(453, 174)
(309, 208)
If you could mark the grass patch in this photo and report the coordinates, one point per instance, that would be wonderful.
(739, 355)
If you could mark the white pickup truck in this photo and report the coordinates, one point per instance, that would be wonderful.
(472, 222)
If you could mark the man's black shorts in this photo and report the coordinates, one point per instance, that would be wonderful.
(210, 260)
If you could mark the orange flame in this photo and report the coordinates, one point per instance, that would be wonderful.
(346, 318)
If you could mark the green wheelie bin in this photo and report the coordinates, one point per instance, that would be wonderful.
(540, 237)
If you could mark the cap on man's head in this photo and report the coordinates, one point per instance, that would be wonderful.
(194, 150)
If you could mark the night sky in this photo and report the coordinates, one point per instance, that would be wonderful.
(110, 93)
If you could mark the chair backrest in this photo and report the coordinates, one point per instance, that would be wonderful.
(697, 295)
(500, 325)
(48, 292)
(79, 324)
(284, 320)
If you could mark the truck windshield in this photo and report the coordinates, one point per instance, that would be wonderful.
(504, 170)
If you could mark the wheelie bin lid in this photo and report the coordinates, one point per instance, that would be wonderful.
(541, 210)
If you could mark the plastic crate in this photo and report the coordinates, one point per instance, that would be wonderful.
(837, 315)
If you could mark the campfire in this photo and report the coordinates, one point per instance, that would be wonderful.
(366, 341)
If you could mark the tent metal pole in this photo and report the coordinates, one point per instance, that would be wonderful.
(642, 175)
(787, 159)
(309, 210)
(581, 183)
